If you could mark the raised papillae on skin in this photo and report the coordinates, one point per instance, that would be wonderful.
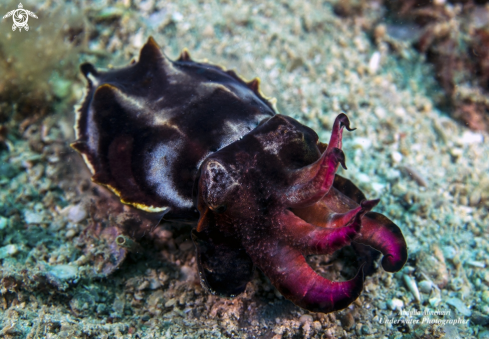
(192, 141)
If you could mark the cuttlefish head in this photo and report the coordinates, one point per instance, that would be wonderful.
(272, 198)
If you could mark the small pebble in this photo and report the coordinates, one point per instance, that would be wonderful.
(208, 31)
(177, 16)
(186, 273)
(374, 63)
(456, 152)
(413, 288)
(396, 157)
(317, 325)
(70, 233)
(485, 296)
(109, 13)
(363, 177)
(366, 329)
(435, 301)
(469, 138)
(380, 31)
(171, 302)
(425, 286)
(64, 272)
(3, 222)
(377, 187)
(380, 112)
(32, 217)
(82, 260)
(347, 321)
(479, 264)
(8, 251)
(460, 306)
(395, 304)
(56, 226)
(77, 213)
(137, 39)
(305, 318)
(144, 285)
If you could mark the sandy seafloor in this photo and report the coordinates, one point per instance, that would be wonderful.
(430, 172)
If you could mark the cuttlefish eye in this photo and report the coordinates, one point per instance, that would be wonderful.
(216, 183)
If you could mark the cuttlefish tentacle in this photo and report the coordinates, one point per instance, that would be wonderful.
(381, 233)
(377, 231)
(311, 183)
(224, 266)
(311, 239)
(289, 272)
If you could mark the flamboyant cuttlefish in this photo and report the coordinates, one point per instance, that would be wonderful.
(192, 141)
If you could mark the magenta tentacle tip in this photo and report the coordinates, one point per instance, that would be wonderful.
(343, 120)
(340, 157)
